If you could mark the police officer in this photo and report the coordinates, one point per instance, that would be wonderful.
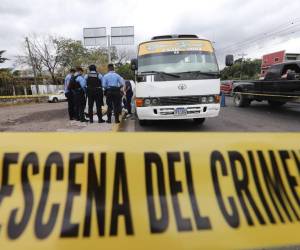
(94, 93)
(129, 94)
(78, 86)
(69, 94)
(113, 84)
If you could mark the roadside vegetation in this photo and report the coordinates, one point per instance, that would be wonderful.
(248, 69)
(52, 58)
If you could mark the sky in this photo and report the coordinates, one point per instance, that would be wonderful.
(260, 26)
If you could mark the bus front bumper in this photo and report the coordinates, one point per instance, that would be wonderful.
(178, 112)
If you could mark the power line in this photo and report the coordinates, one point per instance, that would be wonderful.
(252, 43)
(266, 33)
(256, 42)
(286, 29)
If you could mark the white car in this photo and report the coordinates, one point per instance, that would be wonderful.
(59, 97)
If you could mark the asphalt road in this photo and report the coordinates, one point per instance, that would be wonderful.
(44, 117)
(259, 117)
(52, 117)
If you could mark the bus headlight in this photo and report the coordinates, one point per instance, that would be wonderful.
(154, 102)
(203, 99)
(147, 102)
(211, 99)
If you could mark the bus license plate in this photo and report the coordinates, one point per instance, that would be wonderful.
(180, 112)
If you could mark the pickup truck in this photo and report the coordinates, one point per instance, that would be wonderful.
(280, 85)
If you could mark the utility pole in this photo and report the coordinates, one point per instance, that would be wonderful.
(242, 64)
(33, 65)
(109, 48)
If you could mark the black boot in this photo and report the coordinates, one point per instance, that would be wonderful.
(100, 120)
(117, 118)
(108, 120)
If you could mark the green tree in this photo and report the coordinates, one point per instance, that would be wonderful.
(5, 78)
(2, 59)
(55, 55)
(126, 72)
(72, 53)
(96, 56)
(248, 69)
(46, 54)
(16, 73)
(6, 73)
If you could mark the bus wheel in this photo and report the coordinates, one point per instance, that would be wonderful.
(240, 100)
(199, 121)
(276, 103)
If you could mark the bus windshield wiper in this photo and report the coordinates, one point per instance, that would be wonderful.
(201, 73)
(160, 73)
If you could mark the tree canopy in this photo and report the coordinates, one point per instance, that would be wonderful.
(126, 72)
(56, 55)
(2, 59)
(248, 69)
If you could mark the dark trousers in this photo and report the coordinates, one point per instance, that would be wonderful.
(128, 103)
(95, 96)
(70, 98)
(79, 104)
(113, 100)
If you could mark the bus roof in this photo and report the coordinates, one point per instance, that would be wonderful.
(166, 37)
(175, 37)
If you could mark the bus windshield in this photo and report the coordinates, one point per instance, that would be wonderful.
(177, 57)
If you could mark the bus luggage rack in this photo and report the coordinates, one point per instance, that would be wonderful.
(184, 100)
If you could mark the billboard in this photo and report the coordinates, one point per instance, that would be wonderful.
(122, 31)
(122, 40)
(122, 35)
(98, 36)
(94, 32)
(95, 36)
(101, 41)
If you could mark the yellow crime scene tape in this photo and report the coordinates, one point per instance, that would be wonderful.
(23, 96)
(149, 191)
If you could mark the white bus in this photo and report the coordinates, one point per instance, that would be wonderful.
(177, 77)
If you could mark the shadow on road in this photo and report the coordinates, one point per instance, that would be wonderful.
(173, 126)
(292, 109)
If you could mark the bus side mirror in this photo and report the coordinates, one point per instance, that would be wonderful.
(134, 64)
(229, 60)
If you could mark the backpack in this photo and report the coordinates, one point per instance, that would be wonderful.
(93, 81)
(73, 84)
